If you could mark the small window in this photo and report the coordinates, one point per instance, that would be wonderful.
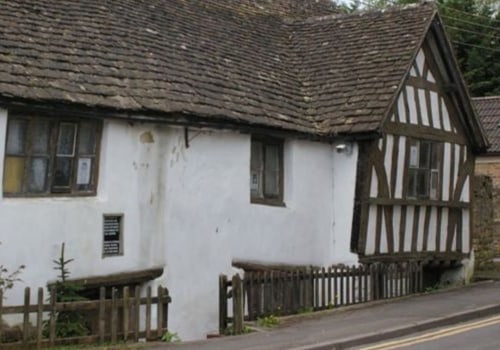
(266, 171)
(50, 156)
(424, 167)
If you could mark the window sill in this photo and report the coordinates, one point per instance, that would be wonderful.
(274, 202)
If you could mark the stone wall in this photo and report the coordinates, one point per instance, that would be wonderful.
(491, 169)
(484, 225)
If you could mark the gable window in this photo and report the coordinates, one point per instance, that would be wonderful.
(266, 171)
(424, 169)
(50, 156)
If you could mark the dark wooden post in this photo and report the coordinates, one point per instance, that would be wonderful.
(114, 316)
(222, 304)
(102, 313)
(26, 315)
(148, 313)
(238, 307)
(126, 312)
(137, 309)
(52, 322)
(39, 319)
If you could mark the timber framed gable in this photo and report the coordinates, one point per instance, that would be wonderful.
(416, 203)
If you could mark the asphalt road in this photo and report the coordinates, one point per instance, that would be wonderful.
(482, 334)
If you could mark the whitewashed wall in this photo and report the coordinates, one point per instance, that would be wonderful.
(187, 210)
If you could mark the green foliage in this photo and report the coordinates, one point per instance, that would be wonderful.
(68, 323)
(268, 321)
(7, 278)
(230, 330)
(169, 337)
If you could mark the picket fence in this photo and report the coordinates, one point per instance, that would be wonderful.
(120, 318)
(264, 293)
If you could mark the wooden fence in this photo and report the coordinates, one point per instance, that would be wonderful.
(265, 293)
(123, 317)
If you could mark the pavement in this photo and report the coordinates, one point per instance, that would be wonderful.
(363, 324)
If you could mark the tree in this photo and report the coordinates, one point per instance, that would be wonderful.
(473, 27)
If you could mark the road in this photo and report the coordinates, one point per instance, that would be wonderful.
(483, 334)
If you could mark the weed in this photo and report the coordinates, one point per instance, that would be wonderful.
(170, 337)
(268, 321)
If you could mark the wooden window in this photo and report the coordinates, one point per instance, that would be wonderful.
(424, 169)
(266, 171)
(51, 156)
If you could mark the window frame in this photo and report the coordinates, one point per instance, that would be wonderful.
(54, 128)
(426, 171)
(268, 199)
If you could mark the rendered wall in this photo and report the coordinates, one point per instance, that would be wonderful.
(187, 210)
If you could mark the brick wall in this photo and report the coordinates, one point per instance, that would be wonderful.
(485, 235)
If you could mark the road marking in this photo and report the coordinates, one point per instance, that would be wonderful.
(446, 332)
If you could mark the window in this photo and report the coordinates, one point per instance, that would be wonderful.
(424, 168)
(112, 235)
(266, 171)
(50, 156)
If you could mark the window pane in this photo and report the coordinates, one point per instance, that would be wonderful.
(13, 174)
(84, 171)
(414, 154)
(434, 184)
(423, 183)
(87, 138)
(66, 139)
(425, 148)
(412, 183)
(37, 174)
(256, 169)
(40, 141)
(16, 136)
(62, 173)
(436, 155)
(271, 168)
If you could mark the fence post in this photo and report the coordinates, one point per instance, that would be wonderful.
(148, 313)
(39, 320)
(26, 315)
(159, 313)
(52, 322)
(126, 313)
(102, 313)
(114, 316)
(222, 304)
(137, 309)
(238, 312)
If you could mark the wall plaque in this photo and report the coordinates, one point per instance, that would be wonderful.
(112, 235)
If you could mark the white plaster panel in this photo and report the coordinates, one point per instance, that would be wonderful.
(444, 229)
(402, 109)
(410, 212)
(421, 227)
(446, 116)
(431, 242)
(436, 122)
(412, 106)
(396, 222)
(400, 169)
(374, 183)
(423, 107)
(430, 77)
(372, 228)
(389, 145)
(446, 171)
(383, 235)
(465, 196)
(420, 60)
(458, 162)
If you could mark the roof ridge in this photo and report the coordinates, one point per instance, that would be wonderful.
(362, 12)
(486, 97)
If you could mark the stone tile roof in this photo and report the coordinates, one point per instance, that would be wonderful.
(294, 65)
(488, 109)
